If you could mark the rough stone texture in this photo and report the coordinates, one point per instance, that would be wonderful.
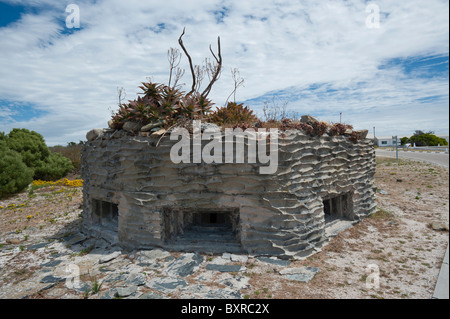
(281, 214)
(185, 265)
(150, 126)
(94, 133)
(224, 268)
(132, 127)
(307, 119)
(362, 134)
(109, 257)
(274, 261)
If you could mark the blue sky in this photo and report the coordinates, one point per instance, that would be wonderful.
(319, 57)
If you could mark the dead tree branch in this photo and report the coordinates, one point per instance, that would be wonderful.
(180, 41)
(238, 81)
(199, 74)
(216, 68)
(178, 75)
(174, 57)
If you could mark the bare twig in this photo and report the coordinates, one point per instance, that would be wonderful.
(122, 94)
(178, 75)
(199, 74)
(238, 81)
(215, 70)
(174, 57)
(274, 112)
(180, 41)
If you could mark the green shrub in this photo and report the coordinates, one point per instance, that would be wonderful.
(30, 145)
(426, 139)
(72, 151)
(36, 155)
(54, 167)
(14, 174)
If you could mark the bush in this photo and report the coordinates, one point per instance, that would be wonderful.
(53, 168)
(14, 174)
(427, 139)
(36, 155)
(72, 151)
(30, 145)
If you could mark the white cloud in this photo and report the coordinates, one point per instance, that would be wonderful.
(275, 44)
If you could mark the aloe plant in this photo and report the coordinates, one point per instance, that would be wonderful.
(161, 103)
(233, 113)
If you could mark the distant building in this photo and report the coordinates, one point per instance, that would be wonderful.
(382, 141)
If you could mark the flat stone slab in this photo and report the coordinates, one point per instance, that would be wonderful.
(302, 274)
(109, 257)
(224, 268)
(51, 279)
(275, 261)
(125, 291)
(185, 265)
(236, 282)
(136, 279)
(151, 257)
(165, 284)
(336, 228)
(52, 263)
(234, 257)
(75, 239)
(151, 295)
(37, 246)
(115, 277)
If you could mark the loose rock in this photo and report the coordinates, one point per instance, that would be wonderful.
(132, 127)
(225, 268)
(308, 119)
(185, 265)
(125, 291)
(302, 274)
(439, 226)
(109, 257)
(94, 134)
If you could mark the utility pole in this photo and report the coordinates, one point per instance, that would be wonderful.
(396, 146)
(374, 138)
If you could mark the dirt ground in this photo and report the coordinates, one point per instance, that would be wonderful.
(395, 253)
(398, 243)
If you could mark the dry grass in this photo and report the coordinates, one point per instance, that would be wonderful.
(38, 208)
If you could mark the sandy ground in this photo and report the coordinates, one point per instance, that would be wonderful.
(395, 253)
(397, 245)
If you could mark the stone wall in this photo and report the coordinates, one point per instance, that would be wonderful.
(135, 194)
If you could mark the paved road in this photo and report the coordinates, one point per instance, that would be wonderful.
(435, 158)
